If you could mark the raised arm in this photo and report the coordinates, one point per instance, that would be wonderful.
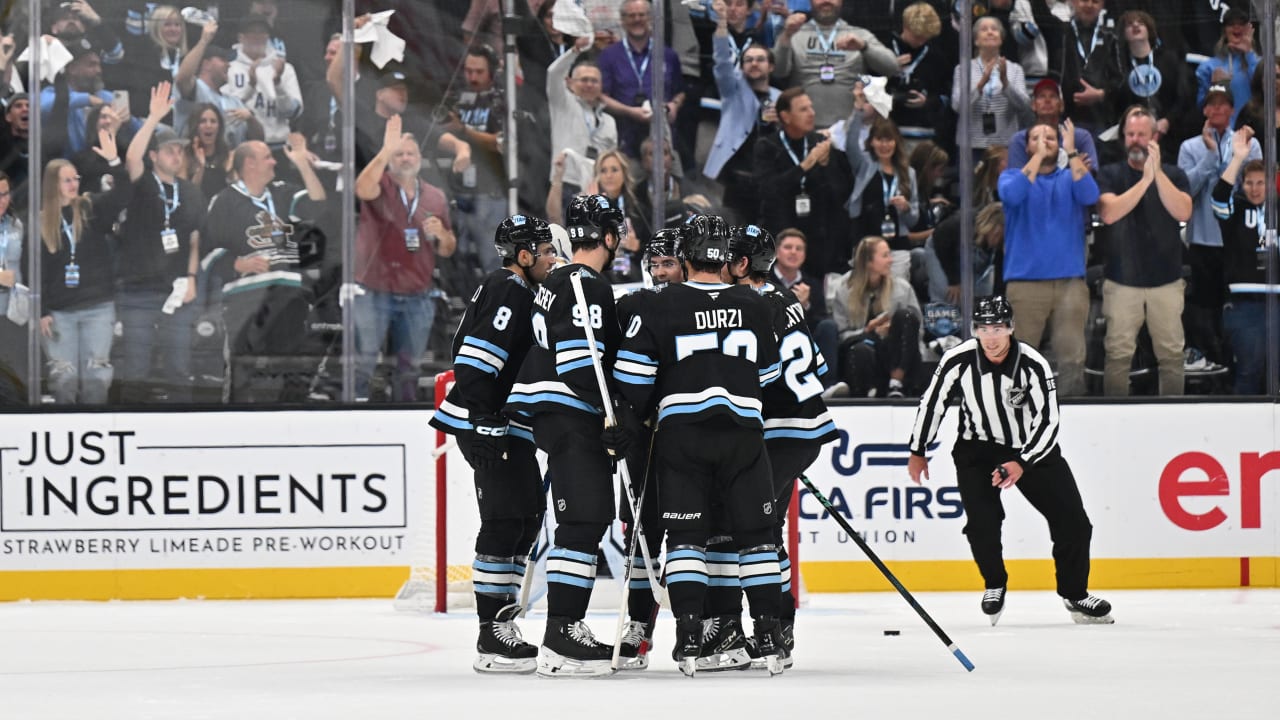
(368, 183)
(161, 104)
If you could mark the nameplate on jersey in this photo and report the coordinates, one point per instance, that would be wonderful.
(716, 319)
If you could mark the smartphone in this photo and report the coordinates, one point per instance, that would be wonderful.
(881, 317)
(120, 103)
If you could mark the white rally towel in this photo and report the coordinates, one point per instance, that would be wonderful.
(571, 19)
(387, 46)
(52, 60)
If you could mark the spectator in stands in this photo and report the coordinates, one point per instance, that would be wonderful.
(13, 337)
(929, 163)
(1044, 249)
(998, 103)
(802, 184)
(480, 192)
(885, 199)
(95, 175)
(942, 256)
(75, 23)
(1232, 64)
(1203, 158)
(159, 256)
(251, 228)
(269, 10)
(1247, 255)
(1046, 103)
(264, 81)
(78, 313)
(923, 78)
(11, 83)
(625, 72)
(788, 272)
(64, 106)
(672, 198)
(741, 34)
(747, 113)
(1141, 202)
(580, 128)
(15, 127)
(612, 180)
(825, 55)
(1148, 73)
(1086, 38)
(403, 228)
(200, 80)
(878, 318)
(208, 157)
(153, 60)
(1028, 38)
(986, 175)
(1254, 114)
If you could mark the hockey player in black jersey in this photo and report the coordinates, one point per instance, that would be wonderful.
(664, 267)
(492, 340)
(699, 354)
(558, 394)
(796, 426)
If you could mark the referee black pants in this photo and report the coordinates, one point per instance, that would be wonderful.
(1050, 488)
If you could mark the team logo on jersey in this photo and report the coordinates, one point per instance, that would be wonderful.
(768, 508)
(560, 505)
(1016, 396)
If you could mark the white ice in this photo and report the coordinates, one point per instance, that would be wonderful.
(1170, 655)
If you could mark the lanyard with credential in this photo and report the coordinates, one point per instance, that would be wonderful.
(4, 242)
(910, 67)
(826, 44)
(591, 129)
(412, 209)
(644, 66)
(169, 208)
(269, 204)
(70, 234)
(1093, 43)
(890, 189)
(787, 146)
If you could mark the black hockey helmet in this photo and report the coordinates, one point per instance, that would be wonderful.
(992, 310)
(755, 243)
(664, 243)
(590, 217)
(520, 232)
(706, 239)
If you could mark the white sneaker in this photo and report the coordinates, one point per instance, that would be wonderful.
(839, 390)
(895, 389)
(1194, 361)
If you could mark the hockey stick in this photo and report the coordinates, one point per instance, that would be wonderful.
(449, 444)
(906, 594)
(575, 279)
(631, 554)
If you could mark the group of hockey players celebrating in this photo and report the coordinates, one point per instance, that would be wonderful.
(701, 393)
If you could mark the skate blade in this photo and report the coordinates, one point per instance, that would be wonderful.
(1082, 619)
(996, 618)
(720, 662)
(487, 663)
(763, 664)
(688, 666)
(554, 665)
(775, 664)
(639, 662)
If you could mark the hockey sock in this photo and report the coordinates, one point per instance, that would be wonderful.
(686, 579)
(640, 602)
(787, 607)
(497, 583)
(724, 594)
(570, 577)
(758, 569)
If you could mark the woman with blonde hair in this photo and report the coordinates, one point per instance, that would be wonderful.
(154, 58)
(884, 200)
(612, 179)
(878, 319)
(77, 282)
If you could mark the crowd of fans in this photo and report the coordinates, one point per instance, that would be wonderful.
(192, 199)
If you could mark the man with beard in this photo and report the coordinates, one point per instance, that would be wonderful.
(1141, 202)
(1045, 249)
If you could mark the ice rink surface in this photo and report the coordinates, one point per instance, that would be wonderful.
(1170, 655)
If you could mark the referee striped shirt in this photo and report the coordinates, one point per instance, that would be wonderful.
(1014, 403)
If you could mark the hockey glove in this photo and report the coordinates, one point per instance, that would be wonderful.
(488, 441)
(619, 437)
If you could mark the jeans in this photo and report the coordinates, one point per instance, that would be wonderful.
(476, 226)
(79, 354)
(409, 318)
(146, 329)
(1126, 308)
(1245, 321)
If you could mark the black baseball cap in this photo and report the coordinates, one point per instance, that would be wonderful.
(391, 79)
(1236, 16)
(1218, 90)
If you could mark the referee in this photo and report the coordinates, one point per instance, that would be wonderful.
(1008, 436)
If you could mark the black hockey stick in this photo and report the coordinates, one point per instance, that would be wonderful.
(875, 559)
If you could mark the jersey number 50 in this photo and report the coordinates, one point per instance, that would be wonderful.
(738, 343)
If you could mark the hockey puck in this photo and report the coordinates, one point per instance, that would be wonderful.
(892, 633)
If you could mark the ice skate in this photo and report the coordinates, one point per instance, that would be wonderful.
(570, 650)
(724, 646)
(993, 603)
(1091, 610)
(688, 643)
(502, 649)
(637, 641)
